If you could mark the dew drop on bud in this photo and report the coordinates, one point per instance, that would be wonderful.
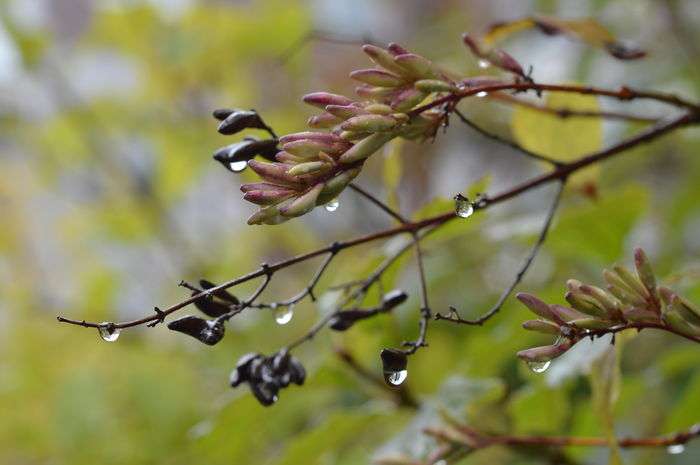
(284, 314)
(332, 205)
(238, 166)
(675, 449)
(539, 367)
(395, 378)
(482, 94)
(483, 64)
(463, 207)
(108, 332)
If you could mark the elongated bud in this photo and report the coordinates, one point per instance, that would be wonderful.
(473, 45)
(644, 271)
(366, 147)
(566, 313)
(345, 112)
(379, 109)
(537, 306)
(417, 66)
(323, 121)
(640, 315)
(407, 99)
(666, 294)
(273, 172)
(377, 77)
(259, 186)
(541, 326)
(302, 204)
(678, 305)
(347, 318)
(288, 158)
(503, 60)
(434, 85)
(268, 197)
(689, 306)
(631, 280)
(380, 94)
(396, 49)
(676, 321)
(326, 137)
(573, 284)
(223, 113)
(624, 296)
(353, 135)
(268, 215)
(614, 279)
(591, 323)
(583, 304)
(335, 185)
(393, 360)
(369, 123)
(322, 99)
(383, 58)
(308, 168)
(606, 301)
(544, 353)
(309, 148)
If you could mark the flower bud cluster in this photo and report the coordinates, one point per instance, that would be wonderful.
(630, 298)
(266, 376)
(314, 167)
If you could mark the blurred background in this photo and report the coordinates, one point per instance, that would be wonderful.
(109, 197)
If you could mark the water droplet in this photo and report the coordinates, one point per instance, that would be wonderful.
(539, 367)
(482, 94)
(332, 205)
(463, 207)
(108, 332)
(483, 64)
(238, 166)
(395, 378)
(675, 449)
(284, 314)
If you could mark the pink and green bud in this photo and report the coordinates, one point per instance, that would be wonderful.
(566, 313)
(407, 99)
(473, 45)
(605, 300)
(631, 281)
(640, 315)
(377, 77)
(335, 185)
(311, 167)
(434, 85)
(591, 323)
(302, 204)
(675, 320)
(269, 215)
(585, 304)
(286, 157)
(382, 57)
(544, 353)
(375, 93)
(378, 109)
(345, 112)
(395, 49)
(366, 147)
(259, 186)
(369, 123)
(323, 99)
(273, 172)
(320, 136)
(417, 66)
(268, 197)
(353, 135)
(541, 326)
(503, 60)
(537, 306)
(310, 148)
(644, 271)
(323, 121)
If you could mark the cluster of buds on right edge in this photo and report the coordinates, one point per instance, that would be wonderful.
(630, 300)
(314, 167)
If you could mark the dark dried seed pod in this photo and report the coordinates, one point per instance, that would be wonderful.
(280, 361)
(393, 360)
(345, 319)
(266, 393)
(240, 120)
(394, 298)
(246, 150)
(223, 113)
(210, 306)
(206, 331)
(297, 371)
(241, 373)
(222, 294)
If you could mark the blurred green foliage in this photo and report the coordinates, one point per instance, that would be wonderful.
(109, 199)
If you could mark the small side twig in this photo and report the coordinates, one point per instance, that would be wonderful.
(383, 206)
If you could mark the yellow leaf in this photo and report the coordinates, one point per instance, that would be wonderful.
(563, 139)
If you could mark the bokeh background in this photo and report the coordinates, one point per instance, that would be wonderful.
(109, 197)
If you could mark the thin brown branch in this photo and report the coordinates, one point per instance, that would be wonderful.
(383, 206)
(323, 36)
(454, 317)
(425, 313)
(561, 172)
(502, 140)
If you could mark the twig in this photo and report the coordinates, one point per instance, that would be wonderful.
(384, 207)
(507, 142)
(454, 317)
(323, 36)
(425, 313)
(561, 172)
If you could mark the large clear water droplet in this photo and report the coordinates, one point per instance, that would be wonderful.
(463, 207)
(238, 166)
(395, 378)
(284, 314)
(483, 64)
(539, 367)
(332, 205)
(675, 449)
(108, 332)
(482, 94)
